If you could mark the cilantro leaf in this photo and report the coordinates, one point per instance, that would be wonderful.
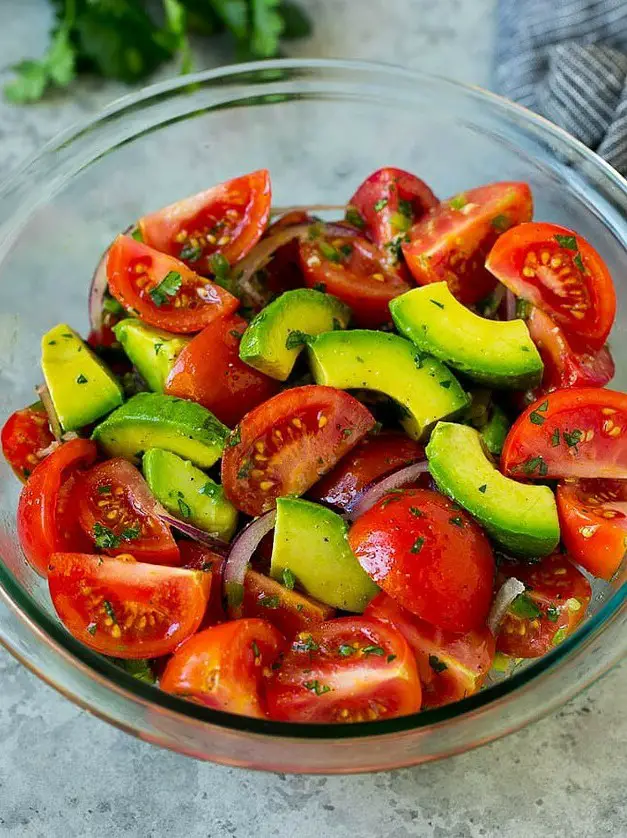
(168, 287)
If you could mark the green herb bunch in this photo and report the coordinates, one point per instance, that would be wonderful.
(128, 39)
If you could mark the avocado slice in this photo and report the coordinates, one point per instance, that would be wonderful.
(495, 353)
(81, 387)
(361, 359)
(188, 494)
(276, 336)
(153, 420)
(152, 352)
(327, 569)
(520, 517)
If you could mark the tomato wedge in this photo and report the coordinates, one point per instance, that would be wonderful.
(553, 605)
(227, 387)
(118, 512)
(451, 666)
(289, 611)
(222, 666)
(428, 555)
(346, 670)
(569, 433)
(373, 458)
(25, 435)
(387, 204)
(451, 242)
(195, 556)
(163, 291)
(125, 608)
(561, 273)
(356, 271)
(563, 365)
(46, 515)
(283, 446)
(228, 219)
(593, 521)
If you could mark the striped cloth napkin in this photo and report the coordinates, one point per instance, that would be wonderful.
(567, 60)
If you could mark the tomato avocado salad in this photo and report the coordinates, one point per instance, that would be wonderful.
(329, 470)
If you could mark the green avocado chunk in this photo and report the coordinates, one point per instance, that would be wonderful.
(81, 387)
(153, 352)
(310, 541)
(276, 336)
(188, 494)
(520, 517)
(495, 353)
(361, 359)
(152, 420)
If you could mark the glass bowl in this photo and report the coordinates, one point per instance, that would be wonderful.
(320, 127)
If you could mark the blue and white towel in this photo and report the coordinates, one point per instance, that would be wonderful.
(567, 60)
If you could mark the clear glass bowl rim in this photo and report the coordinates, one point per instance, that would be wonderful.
(111, 677)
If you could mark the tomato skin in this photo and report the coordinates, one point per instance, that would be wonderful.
(285, 444)
(428, 555)
(222, 666)
(44, 522)
(124, 608)
(569, 433)
(451, 666)
(561, 273)
(25, 433)
(227, 387)
(116, 488)
(551, 584)
(317, 682)
(241, 206)
(288, 611)
(362, 279)
(195, 556)
(593, 523)
(451, 242)
(373, 458)
(134, 270)
(390, 187)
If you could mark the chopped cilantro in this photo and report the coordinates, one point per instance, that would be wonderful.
(91, 628)
(380, 204)
(534, 464)
(346, 651)
(483, 489)
(190, 252)
(417, 545)
(391, 658)
(346, 250)
(288, 579)
(417, 513)
(296, 338)
(108, 609)
(579, 262)
(320, 286)
(104, 490)
(501, 223)
(209, 489)
(456, 521)
(130, 533)
(405, 208)
(560, 635)
(104, 538)
(168, 287)
(158, 348)
(355, 218)
(373, 650)
(525, 608)
(573, 437)
(446, 384)
(400, 222)
(552, 613)
(542, 408)
(270, 602)
(317, 687)
(235, 334)
(436, 664)
(568, 242)
(235, 437)
(329, 252)
(458, 202)
(137, 235)
(536, 418)
(82, 379)
(244, 470)
(436, 303)
(555, 438)
(184, 508)
(255, 648)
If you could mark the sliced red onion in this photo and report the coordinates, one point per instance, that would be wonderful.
(310, 208)
(396, 480)
(53, 420)
(510, 305)
(237, 561)
(97, 293)
(509, 590)
(210, 541)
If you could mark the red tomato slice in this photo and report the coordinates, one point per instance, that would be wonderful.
(554, 603)
(387, 204)
(569, 433)
(288, 611)
(163, 291)
(228, 219)
(125, 608)
(451, 243)
(195, 556)
(222, 666)
(46, 515)
(25, 434)
(354, 270)
(593, 522)
(283, 446)
(227, 387)
(118, 512)
(559, 272)
(346, 670)
(373, 458)
(563, 365)
(451, 666)
(428, 555)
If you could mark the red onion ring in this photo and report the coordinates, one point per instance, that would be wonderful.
(97, 293)
(53, 420)
(210, 541)
(375, 492)
(237, 561)
(311, 208)
(510, 305)
(509, 590)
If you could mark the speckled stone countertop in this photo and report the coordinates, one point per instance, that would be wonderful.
(66, 774)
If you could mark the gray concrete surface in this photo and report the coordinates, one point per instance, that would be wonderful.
(63, 773)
